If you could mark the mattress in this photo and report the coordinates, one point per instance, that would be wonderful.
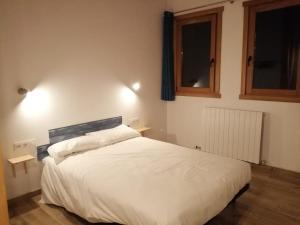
(142, 181)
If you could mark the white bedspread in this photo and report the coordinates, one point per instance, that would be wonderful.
(144, 182)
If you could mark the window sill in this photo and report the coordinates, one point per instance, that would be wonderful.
(295, 99)
(197, 94)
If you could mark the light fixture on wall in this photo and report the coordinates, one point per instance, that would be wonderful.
(35, 102)
(136, 86)
(23, 91)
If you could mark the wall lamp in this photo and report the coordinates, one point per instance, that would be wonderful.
(23, 91)
(136, 86)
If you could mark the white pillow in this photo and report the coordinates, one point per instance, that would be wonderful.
(114, 135)
(62, 149)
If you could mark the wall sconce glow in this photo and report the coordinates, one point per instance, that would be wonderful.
(136, 86)
(128, 96)
(36, 102)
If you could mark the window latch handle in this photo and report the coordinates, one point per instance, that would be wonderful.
(212, 61)
(249, 60)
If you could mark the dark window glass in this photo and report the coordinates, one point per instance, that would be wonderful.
(277, 45)
(196, 45)
(198, 53)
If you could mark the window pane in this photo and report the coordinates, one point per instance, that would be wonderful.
(196, 55)
(277, 46)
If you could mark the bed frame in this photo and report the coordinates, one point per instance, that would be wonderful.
(65, 133)
(242, 191)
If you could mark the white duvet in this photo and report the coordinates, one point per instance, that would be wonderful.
(144, 182)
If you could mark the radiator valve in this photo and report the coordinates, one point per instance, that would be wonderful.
(198, 147)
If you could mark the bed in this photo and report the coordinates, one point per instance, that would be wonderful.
(141, 181)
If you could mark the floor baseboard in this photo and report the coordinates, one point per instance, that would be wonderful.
(29, 195)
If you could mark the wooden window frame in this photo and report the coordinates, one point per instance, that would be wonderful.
(247, 92)
(215, 16)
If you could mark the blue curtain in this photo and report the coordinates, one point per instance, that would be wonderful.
(168, 84)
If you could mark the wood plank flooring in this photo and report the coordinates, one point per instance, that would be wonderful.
(273, 199)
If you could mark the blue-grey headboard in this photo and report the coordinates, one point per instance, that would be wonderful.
(65, 133)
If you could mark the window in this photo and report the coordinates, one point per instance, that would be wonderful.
(197, 53)
(271, 57)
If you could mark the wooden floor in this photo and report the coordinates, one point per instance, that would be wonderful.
(273, 199)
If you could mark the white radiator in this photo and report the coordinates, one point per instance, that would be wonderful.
(232, 133)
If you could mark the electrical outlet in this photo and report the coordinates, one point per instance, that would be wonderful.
(24, 145)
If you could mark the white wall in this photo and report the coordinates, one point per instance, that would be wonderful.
(281, 133)
(80, 57)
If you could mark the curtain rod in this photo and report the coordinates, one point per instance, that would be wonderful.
(204, 6)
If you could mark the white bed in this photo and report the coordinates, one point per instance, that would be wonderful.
(142, 181)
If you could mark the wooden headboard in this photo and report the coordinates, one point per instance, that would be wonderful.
(65, 133)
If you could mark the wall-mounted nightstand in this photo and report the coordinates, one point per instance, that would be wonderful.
(22, 159)
(142, 130)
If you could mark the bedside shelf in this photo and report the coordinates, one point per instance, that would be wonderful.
(142, 130)
(21, 159)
